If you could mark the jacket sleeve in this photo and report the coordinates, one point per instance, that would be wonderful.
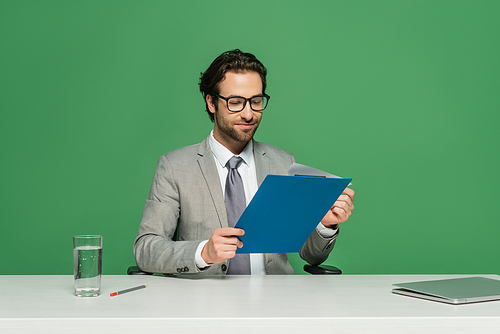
(317, 248)
(155, 248)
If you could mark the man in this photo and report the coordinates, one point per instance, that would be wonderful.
(186, 226)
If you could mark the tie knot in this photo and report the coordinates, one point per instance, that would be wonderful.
(234, 162)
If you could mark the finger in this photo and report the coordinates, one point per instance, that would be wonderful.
(222, 256)
(230, 231)
(346, 205)
(225, 248)
(349, 192)
(344, 199)
(230, 244)
(340, 214)
(232, 241)
(217, 253)
(222, 250)
(221, 242)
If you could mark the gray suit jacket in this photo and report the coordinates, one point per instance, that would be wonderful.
(186, 205)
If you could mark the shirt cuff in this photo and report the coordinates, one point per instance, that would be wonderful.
(197, 256)
(326, 232)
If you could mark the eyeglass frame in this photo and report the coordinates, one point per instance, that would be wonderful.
(245, 102)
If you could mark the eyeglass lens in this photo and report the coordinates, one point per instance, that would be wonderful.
(257, 103)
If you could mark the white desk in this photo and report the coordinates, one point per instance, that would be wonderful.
(245, 304)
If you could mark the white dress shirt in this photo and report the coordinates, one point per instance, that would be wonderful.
(248, 174)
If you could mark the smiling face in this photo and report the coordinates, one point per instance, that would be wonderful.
(235, 129)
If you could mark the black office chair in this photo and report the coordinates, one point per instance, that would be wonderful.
(314, 270)
(322, 269)
(134, 270)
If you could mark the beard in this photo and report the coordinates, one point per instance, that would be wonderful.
(240, 135)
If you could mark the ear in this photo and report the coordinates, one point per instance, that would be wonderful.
(210, 103)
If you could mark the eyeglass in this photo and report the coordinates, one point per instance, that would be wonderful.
(238, 103)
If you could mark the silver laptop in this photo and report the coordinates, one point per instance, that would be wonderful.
(452, 291)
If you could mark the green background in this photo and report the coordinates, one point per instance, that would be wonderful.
(403, 96)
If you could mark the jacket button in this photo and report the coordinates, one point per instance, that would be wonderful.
(223, 267)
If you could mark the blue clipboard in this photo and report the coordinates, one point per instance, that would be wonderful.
(285, 210)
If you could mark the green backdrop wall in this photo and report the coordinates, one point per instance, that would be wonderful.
(403, 96)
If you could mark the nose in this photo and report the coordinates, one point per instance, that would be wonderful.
(247, 112)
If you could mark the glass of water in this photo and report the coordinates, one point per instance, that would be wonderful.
(87, 256)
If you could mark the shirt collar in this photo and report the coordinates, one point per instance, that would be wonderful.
(222, 154)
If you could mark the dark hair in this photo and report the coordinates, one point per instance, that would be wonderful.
(230, 61)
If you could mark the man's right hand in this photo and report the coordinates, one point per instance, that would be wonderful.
(222, 245)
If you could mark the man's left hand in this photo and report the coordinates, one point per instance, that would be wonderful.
(341, 209)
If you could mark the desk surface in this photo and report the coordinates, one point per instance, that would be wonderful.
(292, 304)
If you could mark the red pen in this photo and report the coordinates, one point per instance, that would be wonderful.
(127, 290)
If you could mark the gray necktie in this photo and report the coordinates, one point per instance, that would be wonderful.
(235, 205)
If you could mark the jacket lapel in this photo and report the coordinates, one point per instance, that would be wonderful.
(262, 164)
(209, 170)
